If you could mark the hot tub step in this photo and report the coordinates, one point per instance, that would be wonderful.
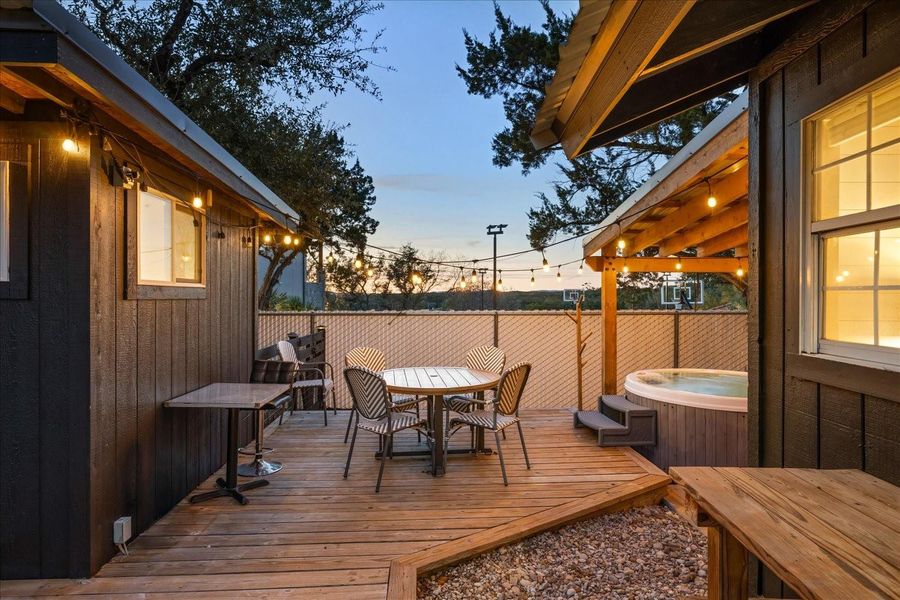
(622, 405)
(596, 421)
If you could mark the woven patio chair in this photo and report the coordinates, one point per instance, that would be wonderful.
(482, 358)
(323, 383)
(374, 360)
(500, 414)
(375, 413)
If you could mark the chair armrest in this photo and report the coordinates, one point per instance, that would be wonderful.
(301, 368)
(322, 363)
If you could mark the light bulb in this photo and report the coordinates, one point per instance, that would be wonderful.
(839, 278)
(462, 283)
(558, 275)
(197, 202)
(330, 258)
(545, 265)
(625, 269)
(69, 145)
(296, 241)
(287, 240)
(846, 273)
(739, 272)
(370, 271)
(474, 277)
(678, 266)
(581, 268)
(499, 285)
(358, 263)
(621, 243)
(267, 238)
(532, 281)
(711, 202)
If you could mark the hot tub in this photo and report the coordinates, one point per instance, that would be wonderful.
(701, 415)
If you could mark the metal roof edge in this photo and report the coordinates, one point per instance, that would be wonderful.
(77, 33)
(728, 115)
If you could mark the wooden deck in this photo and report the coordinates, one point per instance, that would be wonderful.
(313, 534)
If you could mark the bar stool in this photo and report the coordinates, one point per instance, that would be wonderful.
(266, 371)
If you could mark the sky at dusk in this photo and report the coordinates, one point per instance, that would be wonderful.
(427, 142)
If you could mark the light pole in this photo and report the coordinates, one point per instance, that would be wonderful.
(482, 271)
(495, 230)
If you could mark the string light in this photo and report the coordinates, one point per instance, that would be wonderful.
(297, 241)
(625, 268)
(416, 278)
(197, 202)
(474, 277)
(287, 240)
(558, 273)
(711, 199)
(621, 243)
(70, 145)
(739, 272)
(462, 279)
(678, 266)
(500, 280)
(370, 271)
(359, 261)
(545, 265)
(532, 278)
(267, 238)
(330, 258)
(581, 267)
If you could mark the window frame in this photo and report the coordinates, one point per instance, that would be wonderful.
(19, 207)
(815, 233)
(138, 288)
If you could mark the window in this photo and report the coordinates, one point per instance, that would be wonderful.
(852, 258)
(15, 200)
(170, 238)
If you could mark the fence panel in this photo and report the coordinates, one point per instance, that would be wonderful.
(546, 339)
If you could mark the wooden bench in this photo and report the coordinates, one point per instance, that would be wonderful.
(826, 534)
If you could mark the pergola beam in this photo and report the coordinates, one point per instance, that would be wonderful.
(733, 238)
(727, 190)
(734, 216)
(655, 264)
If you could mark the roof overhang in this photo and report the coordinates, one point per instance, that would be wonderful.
(57, 54)
(631, 63)
(670, 211)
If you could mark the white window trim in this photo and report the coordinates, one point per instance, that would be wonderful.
(201, 250)
(813, 233)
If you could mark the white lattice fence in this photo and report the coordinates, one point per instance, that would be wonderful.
(546, 339)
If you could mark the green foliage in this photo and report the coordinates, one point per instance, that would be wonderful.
(515, 63)
(284, 303)
(355, 289)
(410, 277)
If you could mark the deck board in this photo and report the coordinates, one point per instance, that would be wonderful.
(313, 534)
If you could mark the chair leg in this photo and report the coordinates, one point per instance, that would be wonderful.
(500, 453)
(333, 401)
(503, 431)
(418, 433)
(390, 441)
(349, 423)
(522, 438)
(350, 454)
(325, 406)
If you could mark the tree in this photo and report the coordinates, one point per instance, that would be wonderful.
(515, 63)
(412, 278)
(225, 62)
(352, 287)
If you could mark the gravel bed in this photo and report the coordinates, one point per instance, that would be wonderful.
(640, 553)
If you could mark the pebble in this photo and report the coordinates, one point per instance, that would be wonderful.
(640, 554)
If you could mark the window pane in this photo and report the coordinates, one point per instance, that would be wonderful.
(187, 245)
(889, 257)
(841, 131)
(849, 260)
(849, 316)
(889, 318)
(886, 113)
(841, 189)
(886, 177)
(155, 235)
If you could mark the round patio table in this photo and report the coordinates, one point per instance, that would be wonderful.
(438, 382)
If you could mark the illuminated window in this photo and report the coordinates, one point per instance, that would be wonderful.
(852, 261)
(170, 241)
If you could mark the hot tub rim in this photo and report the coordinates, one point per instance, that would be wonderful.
(685, 398)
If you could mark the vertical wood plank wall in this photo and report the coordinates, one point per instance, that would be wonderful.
(44, 341)
(145, 458)
(798, 416)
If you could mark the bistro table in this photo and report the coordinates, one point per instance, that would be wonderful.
(438, 382)
(233, 397)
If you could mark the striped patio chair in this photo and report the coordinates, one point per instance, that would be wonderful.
(374, 360)
(323, 383)
(500, 414)
(482, 358)
(376, 413)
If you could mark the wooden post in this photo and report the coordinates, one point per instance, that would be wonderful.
(726, 567)
(580, 344)
(608, 292)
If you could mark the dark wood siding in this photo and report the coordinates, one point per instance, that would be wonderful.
(144, 458)
(805, 411)
(44, 373)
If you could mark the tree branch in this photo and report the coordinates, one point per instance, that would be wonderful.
(163, 56)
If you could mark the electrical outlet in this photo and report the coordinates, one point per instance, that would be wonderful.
(122, 530)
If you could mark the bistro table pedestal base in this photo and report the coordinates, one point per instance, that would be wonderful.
(234, 492)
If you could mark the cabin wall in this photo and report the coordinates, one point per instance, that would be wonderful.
(44, 370)
(806, 411)
(145, 458)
